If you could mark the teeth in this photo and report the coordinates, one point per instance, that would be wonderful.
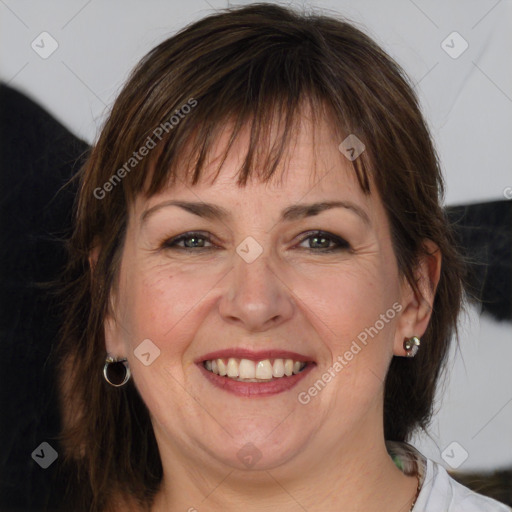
(254, 371)
(264, 370)
(232, 368)
(277, 368)
(247, 369)
(222, 367)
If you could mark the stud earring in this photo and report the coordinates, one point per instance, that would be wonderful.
(411, 346)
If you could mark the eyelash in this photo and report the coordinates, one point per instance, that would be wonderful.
(342, 245)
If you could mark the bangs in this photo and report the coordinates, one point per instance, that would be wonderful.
(267, 91)
(271, 131)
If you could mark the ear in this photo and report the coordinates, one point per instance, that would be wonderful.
(113, 342)
(417, 308)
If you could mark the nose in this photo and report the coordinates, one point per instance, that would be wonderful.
(256, 298)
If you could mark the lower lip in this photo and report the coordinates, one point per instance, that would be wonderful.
(255, 389)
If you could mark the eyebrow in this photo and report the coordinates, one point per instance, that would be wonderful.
(291, 213)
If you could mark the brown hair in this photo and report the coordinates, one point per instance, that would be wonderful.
(247, 65)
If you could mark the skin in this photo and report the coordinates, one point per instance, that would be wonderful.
(314, 456)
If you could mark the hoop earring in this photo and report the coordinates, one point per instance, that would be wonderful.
(116, 371)
(411, 346)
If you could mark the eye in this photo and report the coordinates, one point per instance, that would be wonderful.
(192, 240)
(322, 240)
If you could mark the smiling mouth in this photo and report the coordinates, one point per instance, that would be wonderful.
(247, 370)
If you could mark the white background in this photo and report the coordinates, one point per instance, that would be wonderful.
(467, 102)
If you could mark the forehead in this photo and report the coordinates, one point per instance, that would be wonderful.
(310, 165)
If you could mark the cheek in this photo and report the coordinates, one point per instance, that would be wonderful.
(355, 319)
(161, 304)
(346, 301)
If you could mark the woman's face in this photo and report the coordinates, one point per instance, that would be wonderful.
(252, 284)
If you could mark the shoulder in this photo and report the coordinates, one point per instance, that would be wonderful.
(442, 493)
(439, 491)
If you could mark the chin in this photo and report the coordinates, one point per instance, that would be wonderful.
(258, 445)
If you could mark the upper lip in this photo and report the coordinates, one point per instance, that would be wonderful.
(260, 355)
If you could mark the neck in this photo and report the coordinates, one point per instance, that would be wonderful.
(366, 478)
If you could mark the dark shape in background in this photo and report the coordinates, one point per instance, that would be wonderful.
(485, 234)
(38, 156)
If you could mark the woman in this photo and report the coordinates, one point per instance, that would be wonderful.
(262, 283)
